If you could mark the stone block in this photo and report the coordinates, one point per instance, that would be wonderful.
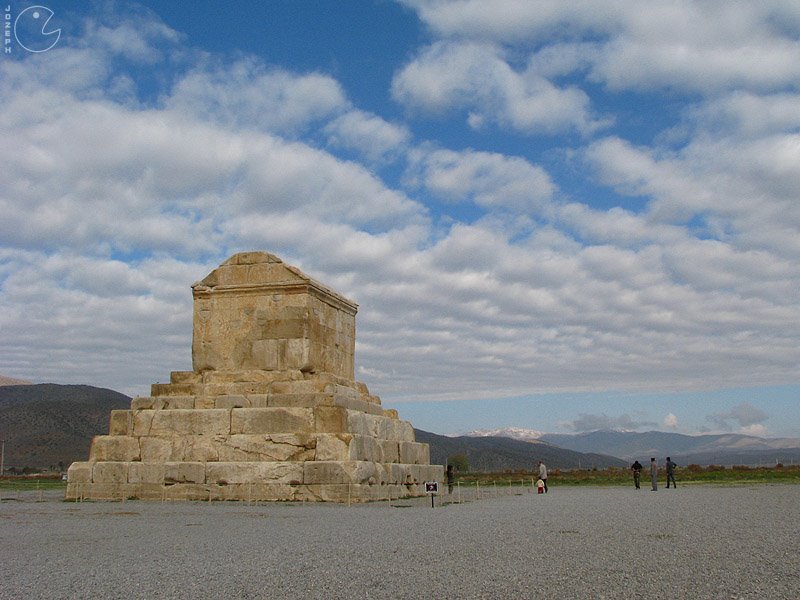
(102, 491)
(160, 449)
(413, 453)
(330, 419)
(146, 472)
(340, 472)
(173, 389)
(357, 423)
(339, 493)
(204, 402)
(363, 472)
(146, 491)
(394, 429)
(231, 401)
(431, 472)
(80, 472)
(184, 377)
(173, 402)
(258, 401)
(120, 423)
(271, 492)
(267, 354)
(391, 451)
(142, 403)
(184, 472)
(351, 403)
(272, 420)
(399, 473)
(200, 448)
(404, 431)
(242, 388)
(142, 422)
(114, 448)
(267, 447)
(333, 446)
(341, 391)
(325, 472)
(185, 491)
(301, 400)
(191, 422)
(110, 472)
(248, 376)
(298, 354)
(255, 472)
(365, 448)
(301, 386)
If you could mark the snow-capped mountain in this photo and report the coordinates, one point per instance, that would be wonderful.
(515, 433)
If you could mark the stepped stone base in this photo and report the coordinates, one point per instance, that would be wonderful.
(268, 436)
(270, 411)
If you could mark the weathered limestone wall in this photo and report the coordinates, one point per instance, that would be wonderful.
(255, 312)
(270, 411)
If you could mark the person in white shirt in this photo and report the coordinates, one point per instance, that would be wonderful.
(543, 475)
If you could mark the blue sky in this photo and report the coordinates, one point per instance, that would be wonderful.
(551, 217)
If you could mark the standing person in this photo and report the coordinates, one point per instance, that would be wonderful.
(654, 474)
(543, 475)
(636, 467)
(450, 479)
(671, 472)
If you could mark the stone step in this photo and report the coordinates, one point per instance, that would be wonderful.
(226, 473)
(246, 492)
(256, 447)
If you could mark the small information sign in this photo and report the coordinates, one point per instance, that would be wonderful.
(431, 487)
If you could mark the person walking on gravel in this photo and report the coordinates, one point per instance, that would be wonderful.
(654, 474)
(671, 472)
(636, 467)
(543, 474)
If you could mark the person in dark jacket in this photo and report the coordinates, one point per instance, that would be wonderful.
(671, 472)
(636, 467)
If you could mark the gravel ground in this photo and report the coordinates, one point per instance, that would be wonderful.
(693, 542)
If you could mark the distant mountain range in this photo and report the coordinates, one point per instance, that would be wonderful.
(47, 424)
(725, 449)
(498, 453)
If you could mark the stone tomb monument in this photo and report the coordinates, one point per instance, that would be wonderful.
(270, 411)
